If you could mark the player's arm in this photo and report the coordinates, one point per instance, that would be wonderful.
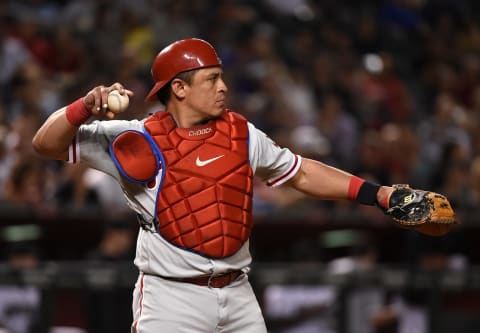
(54, 136)
(57, 132)
(276, 165)
(427, 212)
(326, 182)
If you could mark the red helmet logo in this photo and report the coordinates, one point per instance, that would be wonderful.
(181, 56)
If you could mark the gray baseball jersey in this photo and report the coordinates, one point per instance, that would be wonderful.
(155, 255)
(160, 305)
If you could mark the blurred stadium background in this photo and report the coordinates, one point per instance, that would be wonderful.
(388, 90)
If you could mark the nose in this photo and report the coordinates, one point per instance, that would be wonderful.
(222, 86)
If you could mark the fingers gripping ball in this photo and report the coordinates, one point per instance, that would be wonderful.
(427, 212)
(117, 102)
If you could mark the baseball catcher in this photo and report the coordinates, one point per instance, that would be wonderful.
(187, 171)
(427, 212)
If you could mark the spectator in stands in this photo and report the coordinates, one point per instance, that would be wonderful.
(26, 184)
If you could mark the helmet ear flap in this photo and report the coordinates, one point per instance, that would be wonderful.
(178, 57)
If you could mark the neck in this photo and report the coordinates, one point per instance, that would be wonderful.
(185, 119)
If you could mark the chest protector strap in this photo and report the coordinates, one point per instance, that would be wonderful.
(204, 204)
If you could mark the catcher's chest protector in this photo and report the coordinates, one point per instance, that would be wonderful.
(205, 201)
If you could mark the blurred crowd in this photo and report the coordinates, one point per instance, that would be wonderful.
(388, 90)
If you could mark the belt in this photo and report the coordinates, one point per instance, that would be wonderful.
(212, 281)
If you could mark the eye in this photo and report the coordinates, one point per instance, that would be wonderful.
(214, 77)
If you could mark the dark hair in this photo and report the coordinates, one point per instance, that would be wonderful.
(163, 94)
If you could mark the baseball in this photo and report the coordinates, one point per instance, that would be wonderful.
(116, 102)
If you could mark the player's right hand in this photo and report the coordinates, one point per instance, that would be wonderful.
(96, 99)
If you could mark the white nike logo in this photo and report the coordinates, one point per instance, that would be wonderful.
(201, 163)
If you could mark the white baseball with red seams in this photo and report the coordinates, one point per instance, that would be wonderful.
(117, 102)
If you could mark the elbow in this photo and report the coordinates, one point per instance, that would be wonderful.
(41, 148)
(38, 146)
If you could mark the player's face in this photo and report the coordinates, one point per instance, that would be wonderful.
(206, 95)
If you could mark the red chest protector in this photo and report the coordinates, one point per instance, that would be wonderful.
(205, 201)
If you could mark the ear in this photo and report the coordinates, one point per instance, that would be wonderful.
(178, 88)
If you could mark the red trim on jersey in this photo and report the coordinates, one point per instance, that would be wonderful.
(135, 323)
(354, 187)
(286, 175)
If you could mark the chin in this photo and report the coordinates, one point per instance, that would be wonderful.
(218, 112)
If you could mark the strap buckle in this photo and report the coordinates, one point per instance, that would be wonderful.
(146, 225)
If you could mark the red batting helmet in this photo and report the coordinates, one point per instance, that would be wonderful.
(181, 56)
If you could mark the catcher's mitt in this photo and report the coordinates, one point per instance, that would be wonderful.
(427, 212)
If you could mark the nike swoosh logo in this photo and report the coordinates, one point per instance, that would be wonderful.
(201, 163)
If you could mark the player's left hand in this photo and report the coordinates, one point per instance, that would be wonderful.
(427, 212)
